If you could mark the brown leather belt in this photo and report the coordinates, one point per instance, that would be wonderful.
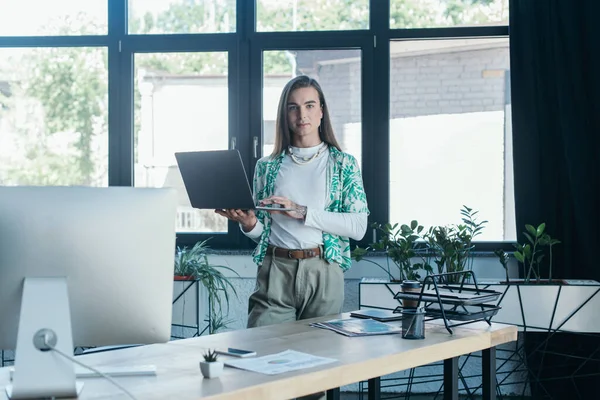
(297, 254)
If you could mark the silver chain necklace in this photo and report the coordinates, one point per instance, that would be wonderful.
(306, 160)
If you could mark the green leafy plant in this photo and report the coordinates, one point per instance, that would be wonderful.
(401, 245)
(193, 264)
(218, 321)
(210, 355)
(531, 253)
(451, 245)
(190, 263)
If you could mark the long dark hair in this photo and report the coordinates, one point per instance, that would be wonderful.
(283, 133)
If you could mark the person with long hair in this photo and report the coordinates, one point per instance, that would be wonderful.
(303, 252)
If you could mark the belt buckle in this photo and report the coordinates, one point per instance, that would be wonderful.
(307, 253)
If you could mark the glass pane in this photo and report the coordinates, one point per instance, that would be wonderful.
(339, 74)
(51, 18)
(181, 16)
(450, 134)
(438, 13)
(311, 15)
(54, 116)
(181, 104)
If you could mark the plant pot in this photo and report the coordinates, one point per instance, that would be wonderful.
(534, 281)
(183, 278)
(211, 369)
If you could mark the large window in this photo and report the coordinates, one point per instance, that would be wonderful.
(311, 15)
(181, 104)
(50, 18)
(448, 133)
(53, 116)
(181, 16)
(437, 13)
(428, 118)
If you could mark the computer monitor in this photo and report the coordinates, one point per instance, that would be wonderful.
(92, 266)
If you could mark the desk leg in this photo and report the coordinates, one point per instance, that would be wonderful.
(451, 379)
(374, 388)
(333, 394)
(488, 373)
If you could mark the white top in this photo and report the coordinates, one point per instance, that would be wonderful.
(306, 185)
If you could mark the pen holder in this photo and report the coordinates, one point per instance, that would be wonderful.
(413, 323)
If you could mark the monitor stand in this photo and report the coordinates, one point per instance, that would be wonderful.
(45, 313)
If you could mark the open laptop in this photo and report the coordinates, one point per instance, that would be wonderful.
(217, 180)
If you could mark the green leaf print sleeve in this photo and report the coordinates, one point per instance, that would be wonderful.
(258, 187)
(354, 198)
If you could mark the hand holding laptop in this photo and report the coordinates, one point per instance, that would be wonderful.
(273, 204)
(244, 217)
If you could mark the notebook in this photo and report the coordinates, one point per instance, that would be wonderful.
(358, 327)
(377, 315)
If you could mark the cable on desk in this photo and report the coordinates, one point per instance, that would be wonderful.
(68, 357)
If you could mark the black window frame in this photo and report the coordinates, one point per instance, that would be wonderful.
(245, 73)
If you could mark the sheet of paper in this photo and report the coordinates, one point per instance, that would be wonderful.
(279, 363)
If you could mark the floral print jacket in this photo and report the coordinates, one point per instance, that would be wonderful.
(346, 195)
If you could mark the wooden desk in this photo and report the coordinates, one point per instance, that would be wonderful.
(359, 358)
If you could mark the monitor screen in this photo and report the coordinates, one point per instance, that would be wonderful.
(115, 246)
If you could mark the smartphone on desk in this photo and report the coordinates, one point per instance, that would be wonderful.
(230, 351)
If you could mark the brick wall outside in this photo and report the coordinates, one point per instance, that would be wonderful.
(438, 82)
(448, 83)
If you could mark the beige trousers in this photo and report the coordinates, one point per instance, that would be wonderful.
(289, 290)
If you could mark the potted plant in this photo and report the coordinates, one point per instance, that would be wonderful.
(451, 245)
(190, 263)
(401, 245)
(414, 250)
(539, 302)
(193, 265)
(531, 254)
(211, 367)
(532, 302)
(544, 308)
